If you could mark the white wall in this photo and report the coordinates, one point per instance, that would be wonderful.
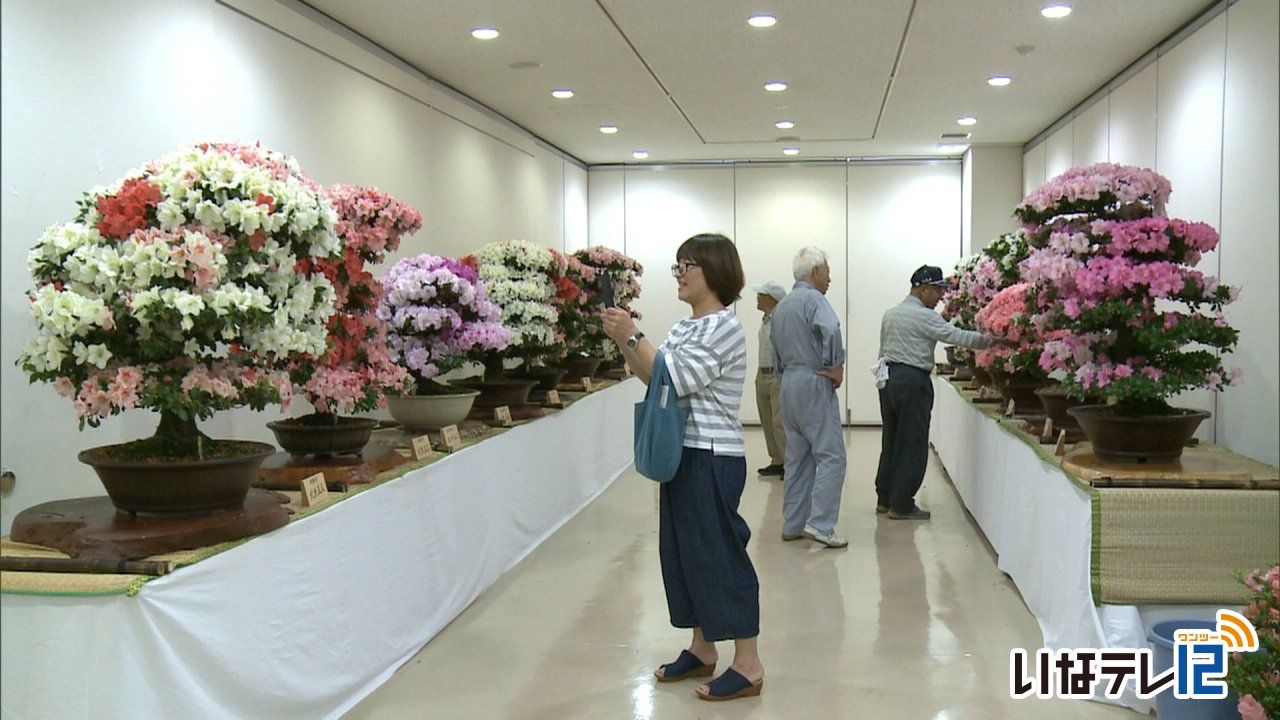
(901, 216)
(1204, 114)
(993, 181)
(1248, 416)
(878, 222)
(93, 90)
(781, 209)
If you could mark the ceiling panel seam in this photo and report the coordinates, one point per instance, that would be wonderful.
(652, 74)
(893, 73)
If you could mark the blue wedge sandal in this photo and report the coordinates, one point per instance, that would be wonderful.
(731, 686)
(686, 666)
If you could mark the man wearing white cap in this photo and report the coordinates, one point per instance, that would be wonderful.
(768, 388)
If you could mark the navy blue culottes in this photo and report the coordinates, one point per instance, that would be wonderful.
(702, 542)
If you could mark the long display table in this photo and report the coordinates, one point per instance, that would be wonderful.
(1043, 527)
(305, 621)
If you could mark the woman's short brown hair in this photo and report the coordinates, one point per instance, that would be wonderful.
(721, 266)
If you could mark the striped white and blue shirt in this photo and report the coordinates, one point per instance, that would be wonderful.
(707, 359)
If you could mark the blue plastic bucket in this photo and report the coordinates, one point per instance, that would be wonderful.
(1170, 707)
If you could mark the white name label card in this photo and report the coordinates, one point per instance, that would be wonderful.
(314, 490)
(451, 439)
(553, 399)
(586, 384)
(422, 448)
(502, 415)
(1008, 412)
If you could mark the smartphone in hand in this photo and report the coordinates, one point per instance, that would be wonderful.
(605, 287)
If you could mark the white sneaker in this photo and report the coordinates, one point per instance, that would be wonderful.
(831, 539)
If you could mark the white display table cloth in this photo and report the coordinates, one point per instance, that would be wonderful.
(1040, 525)
(305, 621)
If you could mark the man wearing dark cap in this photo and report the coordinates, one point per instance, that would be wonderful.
(909, 333)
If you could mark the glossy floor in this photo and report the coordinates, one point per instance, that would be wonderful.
(912, 620)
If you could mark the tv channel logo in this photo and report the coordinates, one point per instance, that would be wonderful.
(1198, 671)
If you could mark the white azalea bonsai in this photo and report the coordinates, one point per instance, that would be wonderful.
(178, 290)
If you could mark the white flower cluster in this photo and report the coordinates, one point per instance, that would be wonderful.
(517, 254)
(516, 275)
(220, 191)
(215, 267)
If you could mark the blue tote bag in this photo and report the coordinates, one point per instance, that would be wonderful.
(659, 432)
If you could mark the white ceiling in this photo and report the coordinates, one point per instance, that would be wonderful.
(684, 79)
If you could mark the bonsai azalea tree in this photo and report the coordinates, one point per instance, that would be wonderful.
(977, 280)
(575, 285)
(438, 315)
(357, 369)
(1009, 316)
(517, 277)
(624, 272)
(177, 289)
(1141, 324)
(1255, 676)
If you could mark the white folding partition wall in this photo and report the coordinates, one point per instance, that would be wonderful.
(781, 209)
(663, 208)
(1203, 112)
(877, 222)
(901, 216)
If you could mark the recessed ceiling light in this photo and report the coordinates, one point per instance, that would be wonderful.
(998, 80)
(525, 65)
(775, 86)
(562, 94)
(967, 120)
(951, 148)
(784, 124)
(790, 151)
(762, 21)
(640, 154)
(608, 129)
(484, 33)
(1056, 10)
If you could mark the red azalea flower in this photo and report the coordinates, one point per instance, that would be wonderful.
(265, 199)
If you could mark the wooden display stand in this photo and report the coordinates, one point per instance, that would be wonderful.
(1197, 468)
(93, 528)
(282, 471)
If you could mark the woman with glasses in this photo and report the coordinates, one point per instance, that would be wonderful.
(710, 583)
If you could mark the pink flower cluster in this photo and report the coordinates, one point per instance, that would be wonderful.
(121, 387)
(371, 221)
(1098, 276)
(979, 277)
(1009, 315)
(438, 315)
(587, 338)
(1255, 676)
(1001, 316)
(1098, 188)
(357, 371)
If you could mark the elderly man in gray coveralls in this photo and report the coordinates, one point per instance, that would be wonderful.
(808, 352)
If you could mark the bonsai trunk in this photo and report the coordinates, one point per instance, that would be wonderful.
(493, 370)
(179, 436)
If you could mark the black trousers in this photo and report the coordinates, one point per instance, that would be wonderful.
(906, 403)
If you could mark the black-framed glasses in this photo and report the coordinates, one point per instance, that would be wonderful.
(682, 267)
